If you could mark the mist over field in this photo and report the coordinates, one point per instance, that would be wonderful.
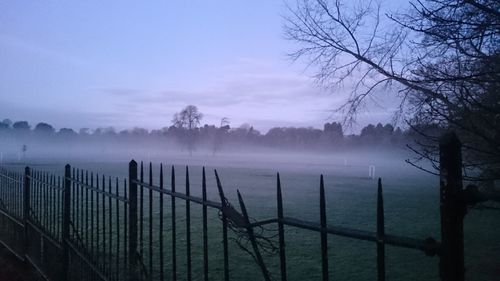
(52, 149)
(411, 195)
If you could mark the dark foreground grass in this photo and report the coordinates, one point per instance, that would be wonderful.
(13, 269)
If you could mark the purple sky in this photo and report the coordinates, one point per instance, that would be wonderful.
(135, 63)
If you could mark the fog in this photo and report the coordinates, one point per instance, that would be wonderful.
(314, 159)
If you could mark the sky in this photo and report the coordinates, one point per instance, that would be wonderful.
(135, 63)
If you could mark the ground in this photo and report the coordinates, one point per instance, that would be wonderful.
(12, 269)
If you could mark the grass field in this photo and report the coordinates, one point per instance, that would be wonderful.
(411, 200)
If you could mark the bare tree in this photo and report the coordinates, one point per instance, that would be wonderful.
(220, 133)
(188, 120)
(440, 57)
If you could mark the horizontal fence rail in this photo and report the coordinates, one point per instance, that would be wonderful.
(82, 225)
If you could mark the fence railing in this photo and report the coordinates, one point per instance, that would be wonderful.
(12, 211)
(86, 226)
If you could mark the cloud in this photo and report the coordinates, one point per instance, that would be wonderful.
(247, 88)
(26, 46)
(247, 91)
(119, 92)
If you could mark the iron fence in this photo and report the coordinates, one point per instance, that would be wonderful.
(11, 210)
(86, 226)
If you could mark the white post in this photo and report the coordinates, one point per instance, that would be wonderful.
(371, 171)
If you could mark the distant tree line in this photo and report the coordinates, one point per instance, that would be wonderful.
(187, 131)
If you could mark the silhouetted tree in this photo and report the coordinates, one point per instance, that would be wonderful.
(44, 128)
(220, 135)
(332, 133)
(293, 137)
(378, 134)
(188, 121)
(368, 130)
(124, 133)
(67, 132)
(189, 118)
(7, 122)
(109, 131)
(4, 126)
(84, 132)
(139, 132)
(441, 56)
(21, 126)
(334, 129)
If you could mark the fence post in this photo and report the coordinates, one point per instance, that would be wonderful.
(66, 222)
(132, 215)
(380, 233)
(452, 209)
(26, 207)
(281, 228)
(324, 236)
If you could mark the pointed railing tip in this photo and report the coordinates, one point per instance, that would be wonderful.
(187, 180)
(203, 181)
(133, 162)
(379, 197)
(219, 187)
(217, 177)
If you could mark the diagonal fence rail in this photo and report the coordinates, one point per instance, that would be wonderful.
(86, 226)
